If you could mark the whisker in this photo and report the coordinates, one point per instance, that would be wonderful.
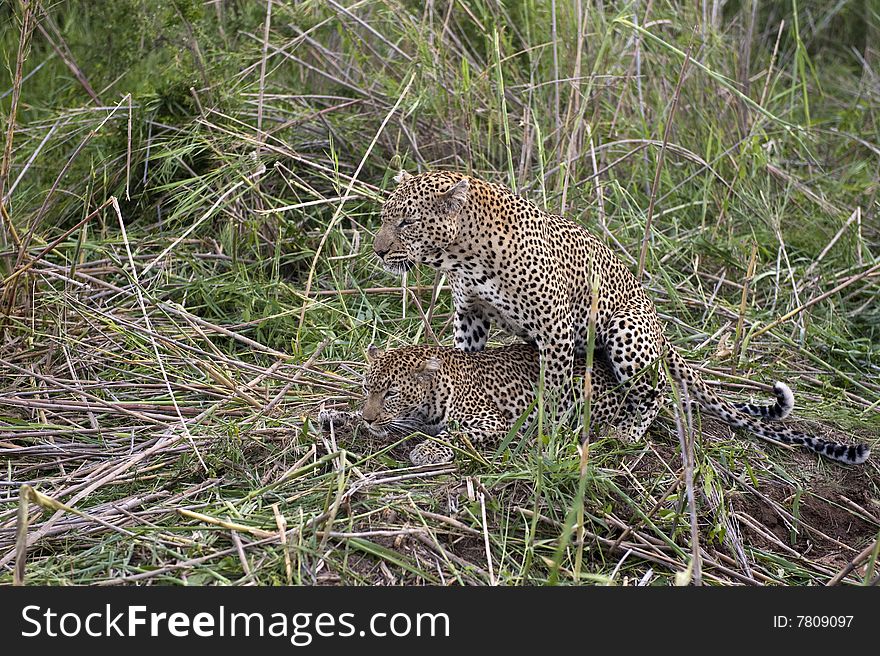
(400, 431)
(406, 423)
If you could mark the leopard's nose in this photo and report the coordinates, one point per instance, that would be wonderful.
(382, 243)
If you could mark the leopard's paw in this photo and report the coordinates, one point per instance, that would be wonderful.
(430, 453)
(335, 418)
(628, 434)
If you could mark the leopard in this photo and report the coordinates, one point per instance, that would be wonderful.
(449, 393)
(533, 274)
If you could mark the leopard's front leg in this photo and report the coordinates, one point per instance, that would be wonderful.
(471, 327)
(556, 350)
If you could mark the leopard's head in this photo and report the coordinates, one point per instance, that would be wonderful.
(420, 219)
(398, 388)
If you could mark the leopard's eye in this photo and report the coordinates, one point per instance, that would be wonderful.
(408, 221)
(392, 392)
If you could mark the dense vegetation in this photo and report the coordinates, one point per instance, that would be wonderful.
(188, 192)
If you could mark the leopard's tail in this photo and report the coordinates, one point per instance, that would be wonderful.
(779, 410)
(739, 417)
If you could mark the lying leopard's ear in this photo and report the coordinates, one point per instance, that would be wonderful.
(455, 197)
(429, 367)
(373, 352)
(402, 176)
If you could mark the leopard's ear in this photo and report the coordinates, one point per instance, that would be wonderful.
(373, 352)
(429, 367)
(402, 176)
(455, 197)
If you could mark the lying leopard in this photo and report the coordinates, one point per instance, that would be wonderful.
(432, 389)
(510, 262)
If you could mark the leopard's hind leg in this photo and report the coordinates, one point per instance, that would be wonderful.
(634, 344)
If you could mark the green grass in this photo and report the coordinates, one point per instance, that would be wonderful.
(159, 380)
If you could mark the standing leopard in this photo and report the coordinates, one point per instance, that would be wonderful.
(446, 392)
(510, 262)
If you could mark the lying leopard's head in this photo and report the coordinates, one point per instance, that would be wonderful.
(398, 389)
(420, 219)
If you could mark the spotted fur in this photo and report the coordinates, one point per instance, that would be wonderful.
(447, 392)
(509, 262)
